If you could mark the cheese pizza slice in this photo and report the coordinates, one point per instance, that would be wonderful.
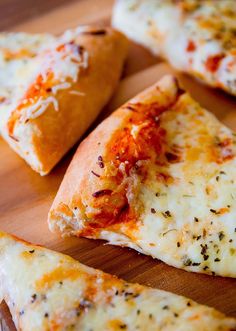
(158, 176)
(46, 290)
(195, 36)
(61, 86)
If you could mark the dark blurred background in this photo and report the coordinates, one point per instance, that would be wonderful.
(13, 12)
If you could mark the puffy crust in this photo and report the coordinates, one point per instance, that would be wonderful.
(42, 140)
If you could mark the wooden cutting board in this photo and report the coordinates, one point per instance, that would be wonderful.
(25, 197)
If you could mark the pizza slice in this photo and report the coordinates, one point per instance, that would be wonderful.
(46, 290)
(195, 36)
(64, 86)
(158, 176)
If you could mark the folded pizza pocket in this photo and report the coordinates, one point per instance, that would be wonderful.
(158, 176)
(64, 86)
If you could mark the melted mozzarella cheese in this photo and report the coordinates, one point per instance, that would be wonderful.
(46, 290)
(189, 220)
(194, 217)
(196, 37)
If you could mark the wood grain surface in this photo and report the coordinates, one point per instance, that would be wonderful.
(25, 197)
(15, 11)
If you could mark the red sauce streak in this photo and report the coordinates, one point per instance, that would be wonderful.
(212, 63)
(35, 91)
(125, 151)
(105, 219)
(138, 140)
(41, 88)
(191, 47)
(129, 149)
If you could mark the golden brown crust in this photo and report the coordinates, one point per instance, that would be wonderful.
(93, 186)
(55, 132)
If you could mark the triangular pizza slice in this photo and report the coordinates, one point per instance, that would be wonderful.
(46, 290)
(195, 36)
(158, 176)
(60, 85)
